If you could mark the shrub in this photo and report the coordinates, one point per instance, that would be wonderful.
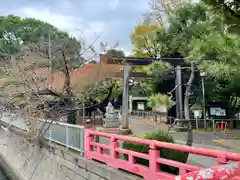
(164, 153)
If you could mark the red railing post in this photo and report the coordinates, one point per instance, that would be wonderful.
(114, 145)
(182, 171)
(113, 153)
(154, 154)
(131, 159)
(221, 158)
(88, 138)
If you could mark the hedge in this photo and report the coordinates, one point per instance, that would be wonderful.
(164, 153)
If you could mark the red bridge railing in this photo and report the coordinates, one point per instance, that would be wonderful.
(108, 152)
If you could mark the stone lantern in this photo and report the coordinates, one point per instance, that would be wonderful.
(197, 112)
(111, 119)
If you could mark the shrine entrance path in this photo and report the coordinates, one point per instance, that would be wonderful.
(142, 126)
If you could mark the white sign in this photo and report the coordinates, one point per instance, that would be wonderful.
(140, 106)
(213, 111)
(217, 111)
(197, 113)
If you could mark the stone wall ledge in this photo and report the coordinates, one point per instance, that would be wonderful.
(87, 169)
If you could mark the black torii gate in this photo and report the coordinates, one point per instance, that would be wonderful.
(128, 62)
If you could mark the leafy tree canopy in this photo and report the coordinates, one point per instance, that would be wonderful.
(115, 53)
(230, 10)
(16, 33)
(198, 33)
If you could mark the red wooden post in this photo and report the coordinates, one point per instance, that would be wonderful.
(113, 145)
(88, 138)
(182, 170)
(131, 159)
(221, 159)
(154, 166)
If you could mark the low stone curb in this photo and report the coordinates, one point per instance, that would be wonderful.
(9, 169)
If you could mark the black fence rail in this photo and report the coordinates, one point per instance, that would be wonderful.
(174, 123)
(155, 116)
(211, 124)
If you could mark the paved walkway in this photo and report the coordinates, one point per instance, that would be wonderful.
(234, 144)
(141, 126)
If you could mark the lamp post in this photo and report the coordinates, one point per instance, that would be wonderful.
(203, 74)
(131, 83)
(197, 112)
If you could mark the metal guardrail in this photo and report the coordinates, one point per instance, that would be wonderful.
(142, 113)
(70, 136)
(211, 123)
(156, 116)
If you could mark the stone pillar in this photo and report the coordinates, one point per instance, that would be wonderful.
(111, 119)
(125, 111)
(179, 101)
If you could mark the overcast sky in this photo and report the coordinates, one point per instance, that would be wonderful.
(114, 19)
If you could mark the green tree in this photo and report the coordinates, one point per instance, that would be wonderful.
(144, 42)
(223, 70)
(16, 32)
(158, 100)
(230, 10)
(208, 32)
(31, 44)
(198, 34)
(115, 53)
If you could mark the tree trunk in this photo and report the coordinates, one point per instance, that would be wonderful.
(186, 111)
(70, 104)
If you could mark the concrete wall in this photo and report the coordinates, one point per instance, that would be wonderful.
(51, 162)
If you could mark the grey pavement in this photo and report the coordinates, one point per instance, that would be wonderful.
(229, 143)
(201, 160)
(141, 126)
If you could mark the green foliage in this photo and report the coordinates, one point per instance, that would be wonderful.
(158, 100)
(200, 35)
(16, 32)
(143, 39)
(68, 49)
(115, 53)
(157, 69)
(142, 88)
(230, 10)
(188, 23)
(164, 153)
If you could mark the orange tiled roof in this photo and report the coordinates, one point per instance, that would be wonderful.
(80, 77)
